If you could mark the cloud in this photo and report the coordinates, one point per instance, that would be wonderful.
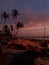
(34, 19)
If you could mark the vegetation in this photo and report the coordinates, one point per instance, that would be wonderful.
(4, 16)
(7, 35)
(14, 15)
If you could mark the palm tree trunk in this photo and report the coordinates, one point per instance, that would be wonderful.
(15, 27)
(3, 25)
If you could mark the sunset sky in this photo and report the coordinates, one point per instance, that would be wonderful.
(34, 13)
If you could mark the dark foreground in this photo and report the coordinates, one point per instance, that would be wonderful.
(24, 58)
(5, 59)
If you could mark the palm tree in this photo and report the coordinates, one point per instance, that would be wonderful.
(6, 30)
(22, 24)
(11, 27)
(4, 16)
(15, 14)
(19, 25)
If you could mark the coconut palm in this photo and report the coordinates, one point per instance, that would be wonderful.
(19, 25)
(15, 14)
(6, 30)
(4, 16)
(11, 27)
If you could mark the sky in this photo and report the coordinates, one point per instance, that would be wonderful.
(32, 12)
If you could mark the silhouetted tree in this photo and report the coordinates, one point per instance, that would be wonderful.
(22, 24)
(19, 25)
(4, 16)
(6, 30)
(15, 14)
(11, 27)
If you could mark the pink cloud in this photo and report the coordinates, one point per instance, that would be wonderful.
(34, 19)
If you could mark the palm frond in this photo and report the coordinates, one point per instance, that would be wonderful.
(4, 15)
(14, 13)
